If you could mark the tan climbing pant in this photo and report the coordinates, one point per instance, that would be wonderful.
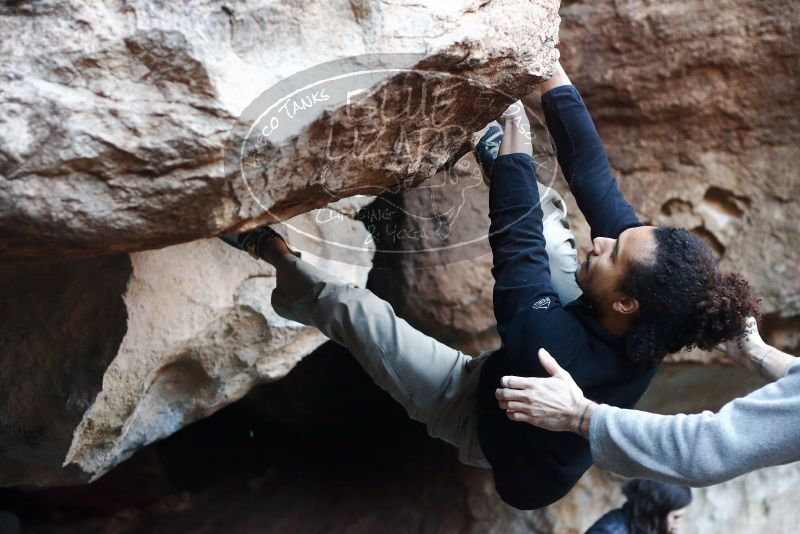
(436, 384)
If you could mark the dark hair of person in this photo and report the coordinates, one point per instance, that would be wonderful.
(649, 503)
(684, 301)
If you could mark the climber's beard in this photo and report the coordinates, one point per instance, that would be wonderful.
(582, 274)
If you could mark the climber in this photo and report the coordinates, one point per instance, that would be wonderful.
(646, 292)
(752, 432)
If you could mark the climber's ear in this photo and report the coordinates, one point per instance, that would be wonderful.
(626, 305)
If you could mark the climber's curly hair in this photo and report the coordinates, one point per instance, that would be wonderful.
(684, 301)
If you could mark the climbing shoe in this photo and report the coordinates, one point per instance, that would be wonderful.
(253, 241)
(486, 150)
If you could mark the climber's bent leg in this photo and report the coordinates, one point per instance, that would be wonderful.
(436, 384)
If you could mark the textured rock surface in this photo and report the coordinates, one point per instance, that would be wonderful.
(113, 126)
(62, 325)
(114, 116)
(114, 353)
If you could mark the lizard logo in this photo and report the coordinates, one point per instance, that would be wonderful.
(541, 304)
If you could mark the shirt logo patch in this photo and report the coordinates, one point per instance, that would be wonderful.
(541, 304)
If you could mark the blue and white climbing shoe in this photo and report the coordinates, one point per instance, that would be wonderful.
(486, 149)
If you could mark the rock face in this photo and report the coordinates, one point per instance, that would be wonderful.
(105, 355)
(127, 128)
(62, 325)
(115, 117)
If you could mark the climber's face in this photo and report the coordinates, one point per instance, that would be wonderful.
(600, 275)
(674, 520)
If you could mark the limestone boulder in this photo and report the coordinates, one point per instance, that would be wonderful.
(115, 117)
(62, 325)
(105, 355)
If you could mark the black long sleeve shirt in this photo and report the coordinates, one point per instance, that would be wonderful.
(533, 467)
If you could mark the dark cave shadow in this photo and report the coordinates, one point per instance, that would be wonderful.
(325, 420)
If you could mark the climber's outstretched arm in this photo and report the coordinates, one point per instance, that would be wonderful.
(558, 79)
(521, 268)
(583, 159)
(516, 131)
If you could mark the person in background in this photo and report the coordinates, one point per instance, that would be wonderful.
(651, 508)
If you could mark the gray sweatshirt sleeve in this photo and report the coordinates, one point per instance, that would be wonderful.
(759, 430)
